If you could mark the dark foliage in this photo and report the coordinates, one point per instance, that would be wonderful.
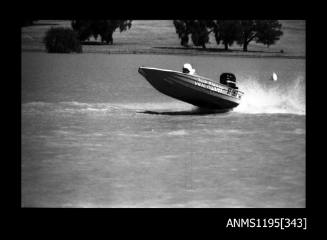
(266, 32)
(183, 30)
(196, 28)
(102, 28)
(200, 33)
(27, 22)
(62, 40)
(228, 32)
(247, 33)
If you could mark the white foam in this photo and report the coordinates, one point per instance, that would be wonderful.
(178, 133)
(69, 107)
(274, 97)
(282, 98)
(159, 106)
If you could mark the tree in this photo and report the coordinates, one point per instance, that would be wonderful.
(183, 30)
(268, 31)
(104, 28)
(200, 33)
(226, 31)
(261, 31)
(247, 33)
(198, 29)
(62, 40)
(83, 29)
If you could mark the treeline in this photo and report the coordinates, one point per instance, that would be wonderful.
(228, 32)
(66, 40)
(103, 28)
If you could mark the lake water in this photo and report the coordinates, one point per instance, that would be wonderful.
(87, 141)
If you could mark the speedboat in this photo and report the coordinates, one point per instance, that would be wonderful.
(194, 89)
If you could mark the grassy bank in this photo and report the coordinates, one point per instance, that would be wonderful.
(159, 37)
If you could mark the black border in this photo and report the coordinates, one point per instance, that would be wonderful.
(186, 221)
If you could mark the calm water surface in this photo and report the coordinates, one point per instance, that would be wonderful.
(87, 140)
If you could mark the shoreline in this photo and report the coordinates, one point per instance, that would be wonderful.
(158, 37)
(179, 52)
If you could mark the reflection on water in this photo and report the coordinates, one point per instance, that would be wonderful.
(196, 111)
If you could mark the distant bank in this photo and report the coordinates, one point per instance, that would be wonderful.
(159, 37)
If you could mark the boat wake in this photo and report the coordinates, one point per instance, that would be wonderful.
(73, 107)
(272, 98)
(258, 99)
(196, 111)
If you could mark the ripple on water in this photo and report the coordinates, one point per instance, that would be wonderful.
(299, 131)
(178, 133)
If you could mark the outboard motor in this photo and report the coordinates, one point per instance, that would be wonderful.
(228, 79)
